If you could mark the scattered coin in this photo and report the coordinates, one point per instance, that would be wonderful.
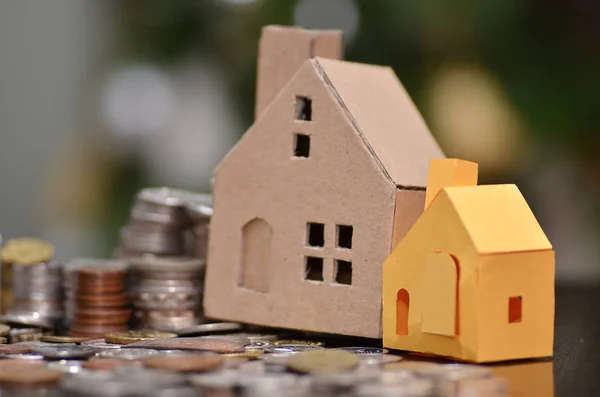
(64, 339)
(456, 372)
(364, 350)
(212, 343)
(22, 356)
(292, 348)
(254, 337)
(15, 349)
(323, 361)
(129, 337)
(4, 329)
(259, 344)
(411, 366)
(209, 328)
(16, 363)
(27, 251)
(128, 354)
(379, 359)
(100, 344)
(67, 366)
(64, 352)
(103, 363)
(3, 340)
(294, 342)
(214, 381)
(27, 318)
(33, 376)
(186, 363)
(251, 354)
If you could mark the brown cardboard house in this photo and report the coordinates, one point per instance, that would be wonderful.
(312, 199)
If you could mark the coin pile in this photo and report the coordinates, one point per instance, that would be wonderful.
(20, 251)
(166, 292)
(159, 224)
(69, 270)
(200, 208)
(38, 289)
(101, 303)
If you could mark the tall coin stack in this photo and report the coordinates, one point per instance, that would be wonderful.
(159, 224)
(101, 302)
(70, 281)
(200, 208)
(166, 292)
(38, 288)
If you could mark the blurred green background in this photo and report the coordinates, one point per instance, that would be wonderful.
(99, 99)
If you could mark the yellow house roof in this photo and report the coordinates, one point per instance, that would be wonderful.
(497, 218)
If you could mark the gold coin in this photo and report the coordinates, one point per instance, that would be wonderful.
(251, 354)
(323, 361)
(64, 339)
(125, 338)
(186, 363)
(27, 251)
(298, 342)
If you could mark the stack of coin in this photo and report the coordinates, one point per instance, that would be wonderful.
(166, 291)
(38, 288)
(101, 303)
(22, 251)
(70, 280)
(159, 224)
(200, 208)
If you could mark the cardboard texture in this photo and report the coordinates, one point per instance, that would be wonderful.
(501, 253)
(282, 50)
(323, 191)
(409, 206)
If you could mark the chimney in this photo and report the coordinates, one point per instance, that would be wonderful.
(449, 172)
(281, 52)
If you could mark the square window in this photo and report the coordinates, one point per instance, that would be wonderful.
(343, 272)
(315, 234)
(344, 236)
(515, 309)
(301, 145)
(303, 108)
(313, 268)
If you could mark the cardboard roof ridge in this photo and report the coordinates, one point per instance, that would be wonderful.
(385, 117)
(514, 227)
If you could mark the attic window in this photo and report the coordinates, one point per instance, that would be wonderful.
(303, 108)
(301, 145)
(515, 309)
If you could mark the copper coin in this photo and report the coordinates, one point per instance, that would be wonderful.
(88, 330)
(33, 376)
(104, 272)
(100, 322)
(102, 301)
(99, 290)
(128, 337)
(15, 349)
(63, 339)
(206, 343)
(186, 363)
(122, 314)
(104, 364)
(18, 363)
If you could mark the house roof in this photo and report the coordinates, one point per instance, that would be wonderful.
(384, 116)
(497, 218)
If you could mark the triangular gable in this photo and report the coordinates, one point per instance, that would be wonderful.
(385, 116)
(496, 218)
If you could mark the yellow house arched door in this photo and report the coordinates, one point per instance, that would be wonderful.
(440, 295)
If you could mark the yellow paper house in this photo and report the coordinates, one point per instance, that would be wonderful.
(474, 277)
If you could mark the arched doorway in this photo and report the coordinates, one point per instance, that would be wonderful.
(256, 255)
(440, 295)
(402, 308)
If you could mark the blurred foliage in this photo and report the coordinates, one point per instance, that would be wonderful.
(545, 53)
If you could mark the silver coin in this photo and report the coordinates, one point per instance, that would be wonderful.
(208, 328)
(221, 380)
(259, 344)
(68, 366)
(181, 391)
(27, 318)
(22, 356)
(292, 348)
(155, 377)
(128, 354)
(38, 343)
(165, 196)
(200, 206)
(100, 344)
(363, 350)
(455, 372)
(64, 352)
(412, 388)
